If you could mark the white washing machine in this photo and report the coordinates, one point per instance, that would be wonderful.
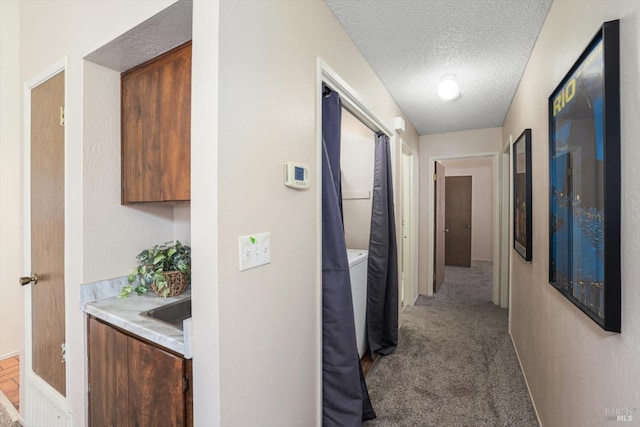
(358, 264)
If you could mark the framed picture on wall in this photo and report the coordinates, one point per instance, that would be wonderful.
(522, 236)
(584, 181)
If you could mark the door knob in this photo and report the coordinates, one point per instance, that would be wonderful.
(27, 280)
(446, 230)
(468, 227)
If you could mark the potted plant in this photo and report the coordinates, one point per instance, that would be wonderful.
(165, 268)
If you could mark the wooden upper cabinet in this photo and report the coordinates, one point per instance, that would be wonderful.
(156, 129)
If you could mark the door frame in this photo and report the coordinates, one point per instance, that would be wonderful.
(353, 103)
(495, 156)
(439, 219)
(506, 217)
(411, 292)
(27, 377)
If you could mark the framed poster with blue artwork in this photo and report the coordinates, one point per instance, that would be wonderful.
(584, 181)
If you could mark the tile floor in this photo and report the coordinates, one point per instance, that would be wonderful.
(10, 379)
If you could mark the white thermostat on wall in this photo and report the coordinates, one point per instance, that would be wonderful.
(296, 175)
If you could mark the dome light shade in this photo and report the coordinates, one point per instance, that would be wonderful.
(448, 89)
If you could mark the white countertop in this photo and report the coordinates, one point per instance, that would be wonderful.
(125, 314)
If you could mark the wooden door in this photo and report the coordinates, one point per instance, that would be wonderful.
(108, 373)
(156, 390)
(47, 232)
(440, 229)
(458, 221)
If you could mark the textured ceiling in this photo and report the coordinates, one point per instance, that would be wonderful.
(158, 34)
(412, 44)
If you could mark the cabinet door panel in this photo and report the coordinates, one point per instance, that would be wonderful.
(175, 113)
(156, 396)
(107, 376)
(141, 153)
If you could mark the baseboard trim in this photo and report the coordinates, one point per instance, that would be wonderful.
(10, 354)
(524, 375)
(11, 410)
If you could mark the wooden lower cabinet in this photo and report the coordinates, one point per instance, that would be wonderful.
(135, 383)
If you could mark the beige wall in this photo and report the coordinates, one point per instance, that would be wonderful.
(269, 316)
(438, 147)
(574, 369)
(482, 201)
(108, 225)
(11, 310)
(357, 164)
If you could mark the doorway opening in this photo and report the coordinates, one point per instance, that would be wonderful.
(485, 245)
(335, 312)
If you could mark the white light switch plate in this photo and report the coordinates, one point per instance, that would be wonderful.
(254, 250)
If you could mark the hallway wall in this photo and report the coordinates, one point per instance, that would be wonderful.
(577, 373)
(268, 115)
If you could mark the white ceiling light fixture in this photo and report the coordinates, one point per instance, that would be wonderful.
(448, 88)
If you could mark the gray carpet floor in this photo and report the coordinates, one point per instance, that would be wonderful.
(455, 364)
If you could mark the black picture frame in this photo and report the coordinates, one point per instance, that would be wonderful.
(584, 181)
(522, 225)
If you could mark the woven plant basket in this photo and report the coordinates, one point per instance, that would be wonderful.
(176, 281)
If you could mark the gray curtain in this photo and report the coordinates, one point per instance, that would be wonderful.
(382, 274)
(345, 399)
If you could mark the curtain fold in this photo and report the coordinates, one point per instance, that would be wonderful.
(345, 398)
(382, 273)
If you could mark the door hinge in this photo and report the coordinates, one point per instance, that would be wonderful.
(435, 177)
(63, 352)
(61, 116)
(185, 383)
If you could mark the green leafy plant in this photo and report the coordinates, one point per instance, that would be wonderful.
(153, 262)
